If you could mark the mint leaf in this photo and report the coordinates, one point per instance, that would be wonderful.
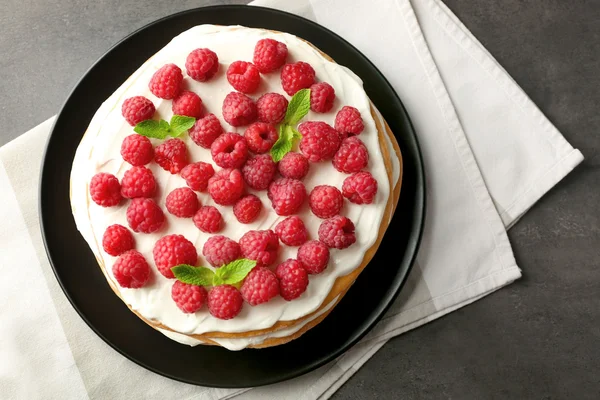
(235, 271)
(284, 143)
(298, 107)
(200, 276)
(151, 128)
(164, 125)
(180, 124)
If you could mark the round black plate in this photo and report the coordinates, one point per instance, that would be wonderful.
(85, 286)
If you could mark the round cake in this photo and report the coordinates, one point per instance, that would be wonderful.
(235, 186)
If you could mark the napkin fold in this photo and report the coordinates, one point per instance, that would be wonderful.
(489, 155)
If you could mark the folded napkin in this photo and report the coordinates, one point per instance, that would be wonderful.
(489, 155)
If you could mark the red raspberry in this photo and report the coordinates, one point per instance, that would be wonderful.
(239, 109)
(144, 215)
(286, 195)
(297, 76)
(202, 64)
(117, 240)
(293, 279)
(166, 82)
(260, 137)
(137, 150)
(360, 188)
(325, 201)
(196, 175)
(269, 55)
(189, 298)
(271, 108)
(208, 219)
(314, 256)
(105, 189)
(293, 165)
(182, 202)
(319, 140)
(352, 156)
(229, 150)
(137, 109)
(172, 250)
(259, 171)
(247, 208)
(260, 286)
(261, 246)
(348, 121)
(131, 270)
(138, 182)
(291, 231)
(243, 76)
(225, 302)
(172, 155)
(226, 186)
(322, 96)
(206, 130)
(187, 103)
(337, 232)
(220, 250)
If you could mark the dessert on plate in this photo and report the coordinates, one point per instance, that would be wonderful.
(235, 186)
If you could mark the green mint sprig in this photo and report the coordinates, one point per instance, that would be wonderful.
(228, 274)
(161, 129)
(297, 108)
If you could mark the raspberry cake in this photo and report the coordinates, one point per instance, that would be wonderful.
(235, 186)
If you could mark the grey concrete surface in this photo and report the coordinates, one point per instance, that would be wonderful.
(536, 339)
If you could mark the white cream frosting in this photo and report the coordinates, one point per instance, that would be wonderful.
(99, 151)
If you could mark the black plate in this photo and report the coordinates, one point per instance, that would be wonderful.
(86, 288)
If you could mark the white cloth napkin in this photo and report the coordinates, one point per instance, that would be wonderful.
(489, 153)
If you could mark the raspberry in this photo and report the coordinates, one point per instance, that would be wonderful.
(286, 195)
(172, 155)
(206, 130)
(247, 208)
(243, 76)
(226, 186)
(138, 182)
(131, 270)
(360, 188)
(182, 202)
(325, 201)
(208, 219)
(260, 137)
(144, 215)
(202, 64)
(322, 96)
(260, 286)
(225, 302)
(166, 82)
(319, 141)
(105, 189)
(239, 109)
(137, 109)
(117, 240)
(261, 246)
(314, 256)
(269, 55)
(172, 250)
(196, 175)
(259, 171)
(291, 231)
(189, 298)
(293, 279)
(352, 156)
(297, 76)
(137, 150)
(337, 232)
(348, 121)
(271, 108)
(220, 250)
(229, 150)
(293, 165)
(187, 103)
